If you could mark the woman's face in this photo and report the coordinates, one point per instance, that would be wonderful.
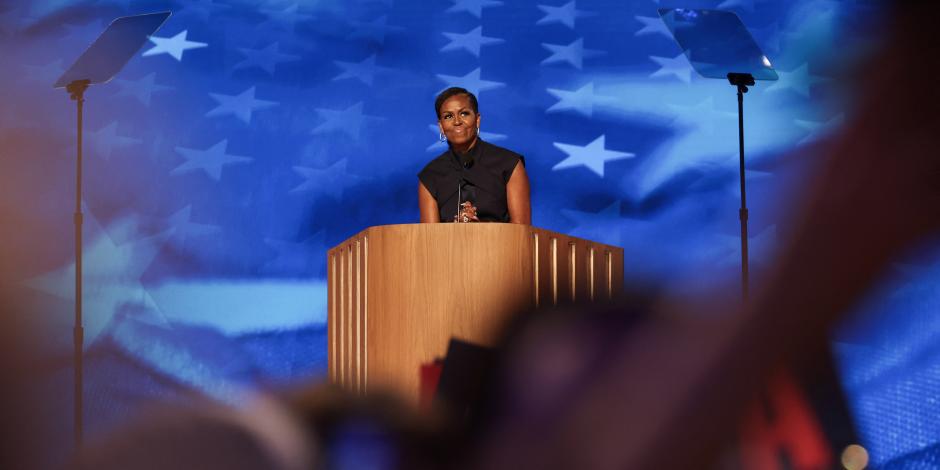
(458, 121)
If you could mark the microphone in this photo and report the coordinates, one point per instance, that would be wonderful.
(468, 164)
(460, 184)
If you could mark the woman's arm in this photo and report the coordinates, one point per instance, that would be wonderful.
(517, 196)
(427, 205)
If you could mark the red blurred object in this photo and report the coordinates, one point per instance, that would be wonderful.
(430, 376)
(783, 423)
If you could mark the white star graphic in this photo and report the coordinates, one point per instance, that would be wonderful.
(817, 130)
(471, 82)
(265, 31)
(652, 25)
(202, 9)
(768, 37)
(240, 106)
(142, 89)
(760, 248)
(363, 71)
(603, 226)
(592, 155)
(474, 7)
(174, 46)
(266, 59)
(799, 80)
(471, 41)
(744, 4)
(677, 66)
(573, 53)
(702, 115)
(349, 120)
(84, 33)
(104, 140)
(332, 180)
(565, 14)
(374, 30)
(287, 17)
(48, 73)
(297, 259)
(9, 23)
(580, 101)
(750, 177)
(210, 160)
(182, 226)
(111, 273)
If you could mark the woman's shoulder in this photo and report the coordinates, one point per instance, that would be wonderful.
(497, 150)
(439, 163)
(502, 158)
(439, 168)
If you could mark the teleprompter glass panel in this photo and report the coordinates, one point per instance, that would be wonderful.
(717, 43)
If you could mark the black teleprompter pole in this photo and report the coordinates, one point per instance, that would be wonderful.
(742, 81)
(103, 59)
(76, 91)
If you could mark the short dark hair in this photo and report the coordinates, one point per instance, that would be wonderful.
(453, 91)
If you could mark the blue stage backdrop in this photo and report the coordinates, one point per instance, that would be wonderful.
(248, 137)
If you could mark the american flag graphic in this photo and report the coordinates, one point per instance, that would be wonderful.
(246, 138)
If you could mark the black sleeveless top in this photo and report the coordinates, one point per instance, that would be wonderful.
(481, 174)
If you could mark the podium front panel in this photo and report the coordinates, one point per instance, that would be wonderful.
(398, 293)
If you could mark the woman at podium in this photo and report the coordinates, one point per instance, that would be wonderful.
(473, 181)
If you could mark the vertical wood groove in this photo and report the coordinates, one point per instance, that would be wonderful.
(341, 331)
(358, 379)
(554, 270)
(331, 319)
(349, 316)
(365, 315)
(591, 274)
(573, 269)
(610, 275)
(535, 266)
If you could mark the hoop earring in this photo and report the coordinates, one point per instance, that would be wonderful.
(478, 130)
(442, 138)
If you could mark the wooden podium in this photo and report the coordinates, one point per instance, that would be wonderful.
(398, 293)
